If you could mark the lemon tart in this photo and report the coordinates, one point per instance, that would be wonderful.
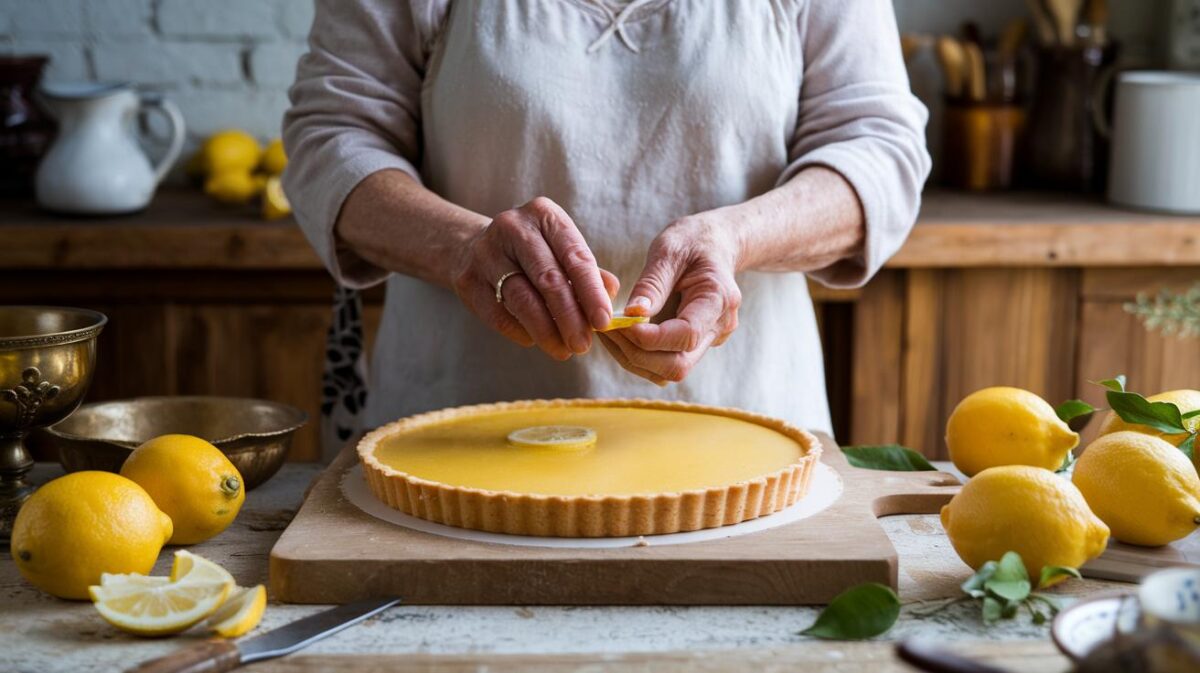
(588, 468)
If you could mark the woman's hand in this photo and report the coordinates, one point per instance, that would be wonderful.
(559, 293)
(697, 257)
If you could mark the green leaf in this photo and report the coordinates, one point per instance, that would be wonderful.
(1116, 383)
(860, 612)
(1010, 581)
(1188, 447)
(1010, 609)
(1191, 414)
(1133, 408)
(992, 609)
(1050, 573)
(1072, 409)
(890, 457)
(973, 587)
(1050, 603)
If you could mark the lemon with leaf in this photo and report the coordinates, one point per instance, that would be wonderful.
(1146, 490)
(1186, 400)
(1007, 426)
(1029, 510)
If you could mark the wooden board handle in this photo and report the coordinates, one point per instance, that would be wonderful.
(211, 656)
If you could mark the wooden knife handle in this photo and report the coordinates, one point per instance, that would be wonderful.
(211, 656)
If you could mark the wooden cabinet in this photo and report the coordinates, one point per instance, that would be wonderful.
(1022, 290)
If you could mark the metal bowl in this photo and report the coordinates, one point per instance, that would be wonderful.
(47, 358)
(255, 434)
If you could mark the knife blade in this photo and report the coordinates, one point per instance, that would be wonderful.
(217, 655)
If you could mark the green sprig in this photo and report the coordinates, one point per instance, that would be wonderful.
(1169, 313)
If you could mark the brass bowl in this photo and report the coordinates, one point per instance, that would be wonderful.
(255, 434)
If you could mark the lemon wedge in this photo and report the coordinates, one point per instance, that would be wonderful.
(149, 607)
(275, 202)
(113, 586)
(564, 437)
(189, 567)
(621, 321)
(242, 611)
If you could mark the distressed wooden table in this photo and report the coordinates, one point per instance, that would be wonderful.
(42, 634)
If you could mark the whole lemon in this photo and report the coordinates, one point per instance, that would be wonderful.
(1031, 511)
(1186, 400)
(274, 158)
(234, 187)
(1146, 490)
(1006, 426)
(230, 150)
(192, 481)
(83, 524)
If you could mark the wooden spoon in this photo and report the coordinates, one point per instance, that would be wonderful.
(1066, 16)
(954, 67)
(976, 82)
(1041, 22)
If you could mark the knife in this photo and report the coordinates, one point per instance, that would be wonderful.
(217, 655)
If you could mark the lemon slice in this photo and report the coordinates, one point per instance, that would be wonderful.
(621, 321)
(191, 568)
(242, 611)
(112, 586)
(275, 202)
(156, 609)
(565, 437)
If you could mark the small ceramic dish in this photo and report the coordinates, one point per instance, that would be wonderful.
(1087, 624)
(1166, 599)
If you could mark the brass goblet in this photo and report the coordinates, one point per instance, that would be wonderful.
(47, 356)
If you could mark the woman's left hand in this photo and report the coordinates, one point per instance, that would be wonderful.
(697, 257)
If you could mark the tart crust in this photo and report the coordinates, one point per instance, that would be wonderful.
(593, 515)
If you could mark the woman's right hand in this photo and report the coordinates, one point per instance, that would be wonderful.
(558, 293)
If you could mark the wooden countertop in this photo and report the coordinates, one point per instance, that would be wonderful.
(40, 633)
(183, 230)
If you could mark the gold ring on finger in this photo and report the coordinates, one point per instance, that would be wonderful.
(500, 285)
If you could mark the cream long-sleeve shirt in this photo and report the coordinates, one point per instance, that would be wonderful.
(629, 117)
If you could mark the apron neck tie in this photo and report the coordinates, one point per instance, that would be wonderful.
(616, 26)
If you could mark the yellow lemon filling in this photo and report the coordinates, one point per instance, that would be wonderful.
(636, 451)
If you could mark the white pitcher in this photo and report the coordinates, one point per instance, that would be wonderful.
(96, 166)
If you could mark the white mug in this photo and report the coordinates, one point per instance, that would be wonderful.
(1155, 159)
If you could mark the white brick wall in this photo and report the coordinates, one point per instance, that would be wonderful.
(226, 63)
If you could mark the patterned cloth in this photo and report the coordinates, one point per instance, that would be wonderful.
(344, 381)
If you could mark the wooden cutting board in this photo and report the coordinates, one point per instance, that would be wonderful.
(333, 552)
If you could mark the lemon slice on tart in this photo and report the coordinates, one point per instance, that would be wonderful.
(564, 437)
